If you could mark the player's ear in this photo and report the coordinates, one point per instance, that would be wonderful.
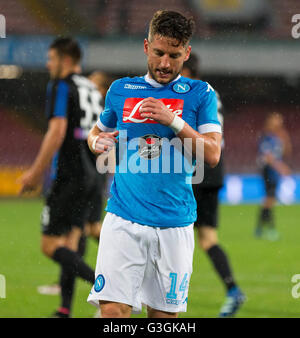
(146, 46)
(67, 60)
(188, 53)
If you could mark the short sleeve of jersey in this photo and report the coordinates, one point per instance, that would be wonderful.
(107, 121)
(207, 115)
(57, 99)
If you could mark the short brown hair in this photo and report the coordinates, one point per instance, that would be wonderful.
(172, 25)
(67, 46)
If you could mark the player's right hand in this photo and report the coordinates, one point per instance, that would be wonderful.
(29, 181)
(104, 142)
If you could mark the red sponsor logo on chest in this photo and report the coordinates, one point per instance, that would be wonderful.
(131, 110)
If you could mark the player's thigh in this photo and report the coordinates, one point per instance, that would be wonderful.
(72, 238)
(49, 243)
(114, 310)
(168, 271)
(152, 313)
(208, 218)
(207, 236)
(121, 261)
(94, 229)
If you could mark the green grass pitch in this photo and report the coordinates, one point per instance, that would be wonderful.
(263, 269)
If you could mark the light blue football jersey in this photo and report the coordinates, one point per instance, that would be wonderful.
(150, 183)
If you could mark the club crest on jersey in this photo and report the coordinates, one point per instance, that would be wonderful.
(150, 146)
(181, 88)
(99, 283)
(131, 110)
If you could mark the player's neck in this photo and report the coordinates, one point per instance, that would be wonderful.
(67, 71)
(156, 84)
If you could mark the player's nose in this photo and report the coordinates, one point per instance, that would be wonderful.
(165, 62)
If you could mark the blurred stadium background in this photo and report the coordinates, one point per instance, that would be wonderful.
(247, 53)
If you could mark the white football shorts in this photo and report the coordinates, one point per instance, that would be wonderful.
(139, 264)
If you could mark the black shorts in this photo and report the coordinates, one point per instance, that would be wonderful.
(270, 184)
(65, 207)
(95, 200)
(207, 205)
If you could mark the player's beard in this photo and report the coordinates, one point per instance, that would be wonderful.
(154, 77)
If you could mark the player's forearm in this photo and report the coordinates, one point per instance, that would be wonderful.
(156, 110)
(101, 142)
(210, 143)
(92, 136)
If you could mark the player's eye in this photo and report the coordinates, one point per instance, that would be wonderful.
(175, 56)
(159, 53)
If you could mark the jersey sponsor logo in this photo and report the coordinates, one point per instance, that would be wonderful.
(131, 113)
(99, 283)
(134, 87)
(181, 88)
(172, 301)
(150, 146)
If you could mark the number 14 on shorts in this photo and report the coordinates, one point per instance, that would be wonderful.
(172, 295)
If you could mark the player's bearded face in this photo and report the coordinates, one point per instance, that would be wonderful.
(165, 58)
(54, 64)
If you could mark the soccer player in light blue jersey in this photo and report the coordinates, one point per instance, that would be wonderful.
(160, 124)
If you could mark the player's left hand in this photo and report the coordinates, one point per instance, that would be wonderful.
(156, 110)
(29, 181)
